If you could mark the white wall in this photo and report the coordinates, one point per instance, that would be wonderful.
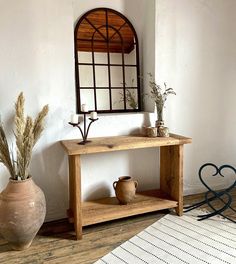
(196, 55)
(36, 51)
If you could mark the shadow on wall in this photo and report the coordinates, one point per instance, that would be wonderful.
(102, 188)
(111, 166)
(145, 171)
(50, 173)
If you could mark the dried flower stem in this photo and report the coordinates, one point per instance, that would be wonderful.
(159, 96)
(5, 154)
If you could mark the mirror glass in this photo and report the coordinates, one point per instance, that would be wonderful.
(106, 62)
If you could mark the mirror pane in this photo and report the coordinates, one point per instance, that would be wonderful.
(84, 36)
(131, 76)
(130, 58)
(115, 41)
(99, 43)
(103, 99)
(85, 32)
(86, 73)
(116, 58)
(131, 99)
(101, 76)
(100, 57)
(116, 20)
(129, 38)
(97, 17)
(117, 99)
(87, 97)
(116, 76)
(84, 57)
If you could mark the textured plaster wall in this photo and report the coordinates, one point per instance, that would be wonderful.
(196, 55)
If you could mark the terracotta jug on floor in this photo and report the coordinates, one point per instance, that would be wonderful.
(22, 212)
(125, 189)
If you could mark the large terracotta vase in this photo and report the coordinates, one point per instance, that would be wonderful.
(22, 212)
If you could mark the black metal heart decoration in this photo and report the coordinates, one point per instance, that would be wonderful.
(223, 196)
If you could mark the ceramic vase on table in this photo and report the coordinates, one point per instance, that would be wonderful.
(23, 209)
(162, 131)
(125, 189)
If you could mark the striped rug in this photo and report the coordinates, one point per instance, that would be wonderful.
(174, 240)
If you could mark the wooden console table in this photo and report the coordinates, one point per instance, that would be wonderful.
(170, 194)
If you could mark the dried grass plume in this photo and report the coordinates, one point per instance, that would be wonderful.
(27, 132)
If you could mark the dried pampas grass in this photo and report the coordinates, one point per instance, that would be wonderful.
(27, 132)
(5, 154)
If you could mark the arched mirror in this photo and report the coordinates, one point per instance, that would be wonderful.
(106, 62)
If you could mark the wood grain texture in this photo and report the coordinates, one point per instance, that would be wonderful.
(109, 144)
(171, 173)
(71, 183)
(75, 174)
(97, 241)
(109, 208)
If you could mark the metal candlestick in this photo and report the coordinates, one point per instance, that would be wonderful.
(84, 132)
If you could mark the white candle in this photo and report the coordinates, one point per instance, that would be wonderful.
(84, 108)
(93, 115)
(74, 119)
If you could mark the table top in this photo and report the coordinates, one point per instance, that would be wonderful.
(116, 143)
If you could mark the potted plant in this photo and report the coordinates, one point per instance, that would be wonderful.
(22, 202)
(159, 95)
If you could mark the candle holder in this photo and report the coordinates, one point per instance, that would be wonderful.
(84, 132)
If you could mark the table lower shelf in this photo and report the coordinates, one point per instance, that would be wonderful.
(107, 209)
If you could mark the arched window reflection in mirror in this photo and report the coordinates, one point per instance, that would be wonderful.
(106, 62)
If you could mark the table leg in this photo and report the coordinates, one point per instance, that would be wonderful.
(75, 193)
(171, 174)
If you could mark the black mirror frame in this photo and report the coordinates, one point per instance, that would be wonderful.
(77, 83)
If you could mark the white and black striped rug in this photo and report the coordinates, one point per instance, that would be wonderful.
(175, 239)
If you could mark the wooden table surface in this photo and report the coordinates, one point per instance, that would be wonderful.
(115, 143)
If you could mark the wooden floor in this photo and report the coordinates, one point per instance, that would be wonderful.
(97, 241)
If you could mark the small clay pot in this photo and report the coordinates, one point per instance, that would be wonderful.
(163, 131)
(151, 131)
(125, 189)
